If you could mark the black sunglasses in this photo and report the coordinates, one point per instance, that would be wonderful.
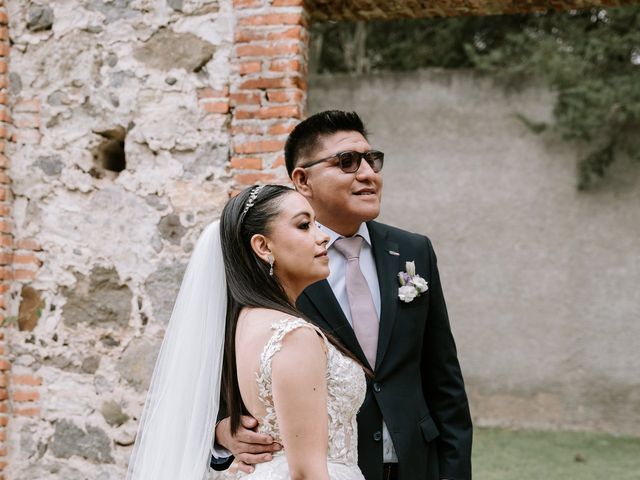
(349, 162)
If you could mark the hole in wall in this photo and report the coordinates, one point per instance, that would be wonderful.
(109, 157)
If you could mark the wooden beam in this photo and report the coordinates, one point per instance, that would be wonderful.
(323, 10)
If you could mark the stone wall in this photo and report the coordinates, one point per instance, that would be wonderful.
(540, 279)
(124, 127)
(119, 153)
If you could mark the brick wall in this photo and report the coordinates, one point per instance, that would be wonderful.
(6, 239)
(268, 86)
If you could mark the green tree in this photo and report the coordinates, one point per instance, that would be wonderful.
(591, 58)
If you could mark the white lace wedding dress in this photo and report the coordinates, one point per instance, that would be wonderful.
(346, 388)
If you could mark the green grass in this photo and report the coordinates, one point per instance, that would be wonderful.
(533, 455)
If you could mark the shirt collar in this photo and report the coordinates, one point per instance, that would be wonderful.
(363, 231)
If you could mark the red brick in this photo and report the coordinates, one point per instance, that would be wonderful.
(32, 380)
(216, 107)
(4, 178)
(4, 365)
(4, 19)
(252, 34)
(24, 274)
(27, 412)
(6, 273)
(25, 137)
(4, 50)
(248, 129)
(3, 435)
(32, 106)
(246, 98)
(6, 258)
(26, 396)
(5, 226)
(3, 393)
(279, 162)
(281, 128)
(246, 163)
(285, 96)
(4, 161)
(28, 244)
(5, 240)
(3, 98)
(4, 80)
(208, 92)
(281, 82)
(287, 3)
(247, 3)
(246, 68)
(287, 111)
(5, 210)
(267, 49)
(273, 19)
(31, 120)
(29, 258)
(4, 68)
(260, 146)
(4, 381)
(4, 33)
(252, 178)
(287, 66)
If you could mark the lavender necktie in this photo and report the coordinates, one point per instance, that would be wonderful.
(363, 311)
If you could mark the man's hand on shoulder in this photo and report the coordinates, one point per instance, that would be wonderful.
(247, 446)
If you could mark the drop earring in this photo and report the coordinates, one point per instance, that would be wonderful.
(271, 262)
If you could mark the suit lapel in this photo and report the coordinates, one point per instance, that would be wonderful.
(322, 297)
(387, 268)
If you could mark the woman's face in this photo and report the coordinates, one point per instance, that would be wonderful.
(297, 245)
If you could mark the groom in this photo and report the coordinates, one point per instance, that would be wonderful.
(415, 421)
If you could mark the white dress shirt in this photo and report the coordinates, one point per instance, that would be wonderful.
(338, 283)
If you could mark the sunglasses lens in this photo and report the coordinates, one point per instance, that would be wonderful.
(375, 159)
(349, 161)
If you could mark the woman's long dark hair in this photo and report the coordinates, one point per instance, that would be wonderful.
(248, 281)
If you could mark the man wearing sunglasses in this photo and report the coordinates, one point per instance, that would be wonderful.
(415, 421)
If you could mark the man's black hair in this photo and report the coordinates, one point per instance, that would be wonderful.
(304, 139)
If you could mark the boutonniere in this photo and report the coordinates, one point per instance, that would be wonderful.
(411, 285)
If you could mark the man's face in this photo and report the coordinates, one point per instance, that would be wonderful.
(342, 201)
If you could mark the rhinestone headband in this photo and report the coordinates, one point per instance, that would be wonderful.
(252, 198)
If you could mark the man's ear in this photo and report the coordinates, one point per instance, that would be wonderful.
(300, 180)
(261, 246)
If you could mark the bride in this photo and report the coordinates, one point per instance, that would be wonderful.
(236, 334)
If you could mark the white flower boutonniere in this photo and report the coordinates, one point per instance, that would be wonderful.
(411, 285)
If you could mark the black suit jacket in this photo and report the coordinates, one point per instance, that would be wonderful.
(417, 386)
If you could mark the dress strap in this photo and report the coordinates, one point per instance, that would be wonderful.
(265, 385)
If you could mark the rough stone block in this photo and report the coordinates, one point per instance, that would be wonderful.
(167, 49)
(90, 442)
(98, 300)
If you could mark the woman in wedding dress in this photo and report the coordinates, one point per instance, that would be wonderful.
(235, 332)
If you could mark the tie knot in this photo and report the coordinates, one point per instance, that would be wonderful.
(349, 247)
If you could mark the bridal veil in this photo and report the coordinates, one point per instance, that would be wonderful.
(176, 430)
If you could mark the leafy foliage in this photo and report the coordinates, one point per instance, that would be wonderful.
(591, 58)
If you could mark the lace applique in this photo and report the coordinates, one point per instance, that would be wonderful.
(346, 388)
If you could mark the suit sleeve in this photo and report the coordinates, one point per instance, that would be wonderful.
(221, 463)
(443, 385)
